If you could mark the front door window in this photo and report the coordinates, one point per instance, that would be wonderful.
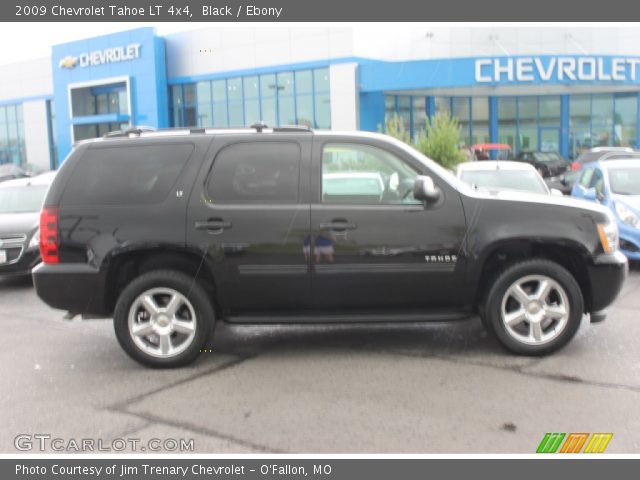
(362, 174)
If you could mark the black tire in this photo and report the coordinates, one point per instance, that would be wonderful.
(492, 308)
(186, 286)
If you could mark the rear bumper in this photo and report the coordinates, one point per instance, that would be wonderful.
(77, 288)
(607, 274)
(24, 265)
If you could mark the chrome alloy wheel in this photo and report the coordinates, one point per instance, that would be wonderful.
(162, 322)
(535, 310)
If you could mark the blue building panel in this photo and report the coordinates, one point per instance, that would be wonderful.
(137, 55)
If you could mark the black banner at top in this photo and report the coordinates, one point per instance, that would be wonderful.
(317, 11)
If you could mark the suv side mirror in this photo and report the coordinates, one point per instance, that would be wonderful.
(590, 194)
(425, 189)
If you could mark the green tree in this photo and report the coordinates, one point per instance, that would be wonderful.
(440, 140)
(394, 127)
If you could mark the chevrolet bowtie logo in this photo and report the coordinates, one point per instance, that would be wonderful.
(68, 62)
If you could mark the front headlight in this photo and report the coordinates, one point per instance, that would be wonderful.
(35, 239)
(608, 235)
(626, 215)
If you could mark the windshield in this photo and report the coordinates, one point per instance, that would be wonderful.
(625, 181)
(495, 180)
(545, 157)
(554, 156)
(22, 199)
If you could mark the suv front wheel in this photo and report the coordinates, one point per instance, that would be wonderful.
(534, 307)
(163, 319)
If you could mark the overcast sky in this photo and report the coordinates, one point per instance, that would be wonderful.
(26, 41)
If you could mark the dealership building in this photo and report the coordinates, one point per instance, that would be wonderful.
(535, 88)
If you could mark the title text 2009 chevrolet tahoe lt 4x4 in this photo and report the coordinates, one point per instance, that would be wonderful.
(170, 231)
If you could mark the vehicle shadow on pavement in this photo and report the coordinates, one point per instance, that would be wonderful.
(21, 281)
(413, 339)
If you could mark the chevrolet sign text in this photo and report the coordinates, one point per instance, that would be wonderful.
(556, 69)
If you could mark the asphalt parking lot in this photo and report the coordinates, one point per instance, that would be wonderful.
(355, 389)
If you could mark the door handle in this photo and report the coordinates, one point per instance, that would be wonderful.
(338, 226)
(213, 225)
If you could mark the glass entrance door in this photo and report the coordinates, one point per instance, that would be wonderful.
(550, 139)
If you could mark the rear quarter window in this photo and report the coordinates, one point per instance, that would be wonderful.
(126, 175)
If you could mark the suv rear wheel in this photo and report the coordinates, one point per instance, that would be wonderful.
(163, 319)
(534, 307)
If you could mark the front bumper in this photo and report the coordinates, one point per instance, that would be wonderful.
(607, 274)
(77, 288)
(629, 241)
(23, 266)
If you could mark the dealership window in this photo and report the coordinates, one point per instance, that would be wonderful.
(205, 106)
(508, 121)
(176, 106)
(189, 98)
(220, 109)
(480, 118)
(304, 97)
(625, 119)
(579, 124)
(472, 114)
(286, 98)
(322, 100)
(268, 88)
(95, 130)
(251, 90)
(529, 122)
(609, 119)
(12, 148)
(461, 109)
(100, 100)
(419, 114)
(442, 104)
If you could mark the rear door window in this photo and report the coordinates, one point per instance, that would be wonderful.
(256, 172)
(126, 175)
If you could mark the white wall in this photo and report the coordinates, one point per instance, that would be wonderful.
(36, 133)
(424, 41)
(344, 96)
(230, 48)
(26, 79)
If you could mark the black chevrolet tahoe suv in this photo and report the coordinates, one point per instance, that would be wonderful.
(170, 231)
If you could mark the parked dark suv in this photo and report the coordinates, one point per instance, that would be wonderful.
(170, 231)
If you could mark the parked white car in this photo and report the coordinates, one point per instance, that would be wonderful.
(497, 176)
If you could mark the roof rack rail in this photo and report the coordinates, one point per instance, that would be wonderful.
(129, 131)
(259, 126)
(292, 128)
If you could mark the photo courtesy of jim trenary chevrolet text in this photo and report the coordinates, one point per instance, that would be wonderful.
(293, 239)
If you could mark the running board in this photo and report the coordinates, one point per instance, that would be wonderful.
(349, 318)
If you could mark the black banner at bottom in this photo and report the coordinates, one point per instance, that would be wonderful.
(315, 469)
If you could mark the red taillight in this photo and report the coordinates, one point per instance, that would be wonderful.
(575, 166)
(49, 235)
